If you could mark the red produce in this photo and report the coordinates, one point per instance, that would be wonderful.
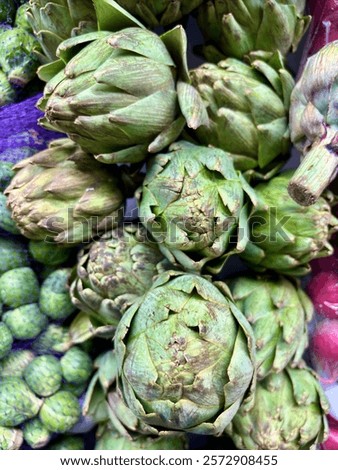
(323, 290)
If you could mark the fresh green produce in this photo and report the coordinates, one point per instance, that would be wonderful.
(124, 94)
(43, 375)
(25, 322)
(10, 438)
(7, 93)
(21, 18)
(17, 402)
(76, 366)
(314, 125)
(114, 271)
(6, 221)
(48, 254)
(13, 255)
(6, 174)
(186, 356)
(234, 29)
(6, 340)
(35, 433)
(288, 414)
(62, 194)
(60, 412)
(193, 204)
(248, 107)
(159, 12)
(285, 236)
(67, 443)
(54, 298)
(52, 22)
(15, 363)
(55, 339)
(19, 287)
(278, 311)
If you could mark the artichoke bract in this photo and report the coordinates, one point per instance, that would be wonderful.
(193, 203)
(112, 440)
(53, 22)
(278, 312)
(314, 125)
(62, 194)
(159, 12)
(288, 414)
(124, 94)
(235, 29)
(248, 108)
(285, 236)
(186, 356)
(114, 271)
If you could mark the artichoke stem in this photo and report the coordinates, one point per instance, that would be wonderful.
(314, 174)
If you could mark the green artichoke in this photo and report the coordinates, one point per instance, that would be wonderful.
(55, 339)
(17, 402)
(15, 363)
(248, 108)
(288, 414)
(285, 236)
(235, 29)
(48, 254)
(21, 18)
(35, 434)
(7, 93)
(76, 366)
(6, 174)
(13, 254)
(159, 12)
(112, 440)
(314, 125)
(67, 443)
(193, 204)
(6, 221)
(62, 194)
(19, 287)
(186, 356)
(25, 322)
(60, 412)
(124, 94)
(17, 58)
(10, 438)
(278, 312)
(114, 271)
(43, 375)
(57, 20)
(54, 298)
(6, 341)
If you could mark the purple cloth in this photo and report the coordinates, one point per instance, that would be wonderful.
(20, 134)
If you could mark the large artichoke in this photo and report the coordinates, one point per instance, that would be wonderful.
(288, 413)
(193, 204)
(185, 356)
(114, 271)
(54, 21)
(314, 125)
(285, 236)
(62, 194)
(124, 94)
(159, 12)
(278, 312)
(236, 28)
(248, 109)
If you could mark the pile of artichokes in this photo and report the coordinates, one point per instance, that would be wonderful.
(167, 341)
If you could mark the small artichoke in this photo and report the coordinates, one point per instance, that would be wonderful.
(6, 174)
(35, 434)
(17, 402)
(25, 322)
(7, 93)
(288, 414)
(314, 125)
(235, 29)
(114, 271)
(76, 366)
(159, 12)
(15, 363)
(67, 443)
(185, 356)
(48, 254)
(13, 254)
(285, 236)
(60, 412)
(124, 95)
(19, 287)
(55, 339)
(62, 194)
(6, 341)
(6, 221)
(10, 438)
(55, 21)
(44, 375)
(248, 108)
(54, 298)
(193, 204)
(278, 311)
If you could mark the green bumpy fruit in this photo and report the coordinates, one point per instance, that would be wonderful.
(13, 255)
(76, 366)
(60, 412)
(25, 322)
(48, 254)
(54, 295)
(44, 375)
(19, 287)
(35, 434)
(14, 364)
